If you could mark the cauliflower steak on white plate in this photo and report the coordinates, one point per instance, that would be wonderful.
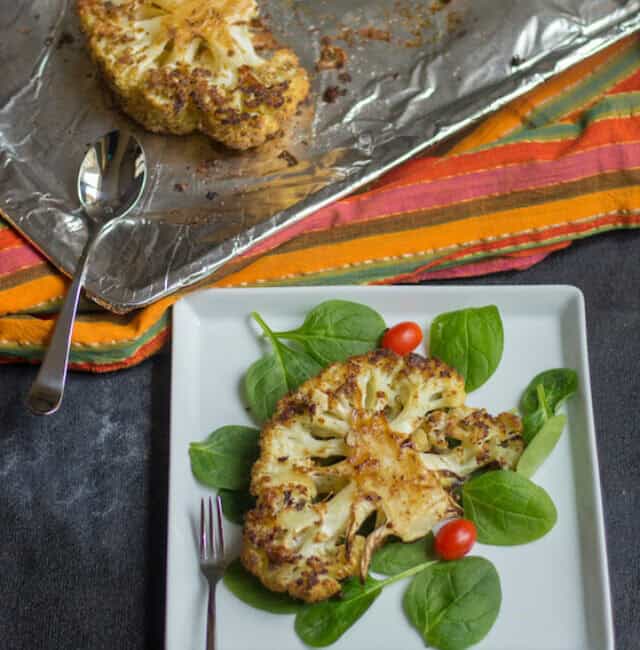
(379, 438)
(179, 66)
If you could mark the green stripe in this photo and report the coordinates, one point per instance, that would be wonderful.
(393, 269)
(553, 133)
(119, 353)
(50, 307)
(102, 355)
(586, 91)
(362, 274)
(623, 105)
(535, 127)
(474, 257)
(86, 309)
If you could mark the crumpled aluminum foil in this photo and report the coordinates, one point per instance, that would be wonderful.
(429, 70)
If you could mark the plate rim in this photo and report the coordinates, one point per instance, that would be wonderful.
(187, 307)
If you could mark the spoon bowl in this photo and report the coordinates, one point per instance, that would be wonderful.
(111, 180)
(112, 176)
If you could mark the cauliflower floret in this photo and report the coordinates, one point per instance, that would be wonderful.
(358, 443)
(463, 440)
(179, 66)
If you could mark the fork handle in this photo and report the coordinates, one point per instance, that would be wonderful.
(211, 619)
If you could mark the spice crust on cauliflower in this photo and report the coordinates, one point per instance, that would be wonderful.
(179, 66)
(367, 440)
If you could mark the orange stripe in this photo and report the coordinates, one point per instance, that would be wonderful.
(630, 84)
(603, 132)
(32, 294)
(497, 247)
(518, 239)
(515, 113)
(148, 349)
(493, 250)
(9, 237)
(109, 333)
(434, 238)
(36, 331)
(322, 257)
(144, 352)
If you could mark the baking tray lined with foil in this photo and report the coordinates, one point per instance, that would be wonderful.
(412, 73)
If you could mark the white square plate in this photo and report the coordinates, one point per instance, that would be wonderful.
(555, 591)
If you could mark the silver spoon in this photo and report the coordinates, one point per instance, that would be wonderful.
(110, 182)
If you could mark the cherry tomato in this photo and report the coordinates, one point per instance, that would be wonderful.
(455, 539)
(402, 338)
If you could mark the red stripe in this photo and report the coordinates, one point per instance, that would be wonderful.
(145, 351)
(9, 238)
(148, 349)
(628, 85)
(569, 231)
(19, 257)
(495, 265)
(458, 189)
(603, 132)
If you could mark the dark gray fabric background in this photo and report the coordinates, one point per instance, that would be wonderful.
(83, 493)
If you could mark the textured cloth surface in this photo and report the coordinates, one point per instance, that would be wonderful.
(84, 493)
(557, 165)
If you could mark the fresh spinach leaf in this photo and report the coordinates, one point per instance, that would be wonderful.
(534, 421)
(235, 503)
(276, 374)
(543, 396)
(251, 591)
(396, 557)
(471, 340)
(453, 605)
(558, 383)
(539, 449)
(323, 623)
(264, 384)
(224, 459)
(507, 508)
(338, 329)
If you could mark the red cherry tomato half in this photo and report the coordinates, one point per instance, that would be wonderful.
(402, 338)
(455, 539)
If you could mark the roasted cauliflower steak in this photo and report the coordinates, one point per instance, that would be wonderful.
(379, 439)
(179, 66)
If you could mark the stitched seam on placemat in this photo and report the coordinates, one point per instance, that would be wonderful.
(75, 345)
(19, 243)
(380, 189)
(431, 251)
(57, 296)
(497, 194)
(22, 268)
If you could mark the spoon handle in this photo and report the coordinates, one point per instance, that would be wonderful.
(46, 392)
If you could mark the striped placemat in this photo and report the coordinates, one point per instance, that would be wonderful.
(556, 165)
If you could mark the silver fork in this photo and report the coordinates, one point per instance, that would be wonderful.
(211, 560)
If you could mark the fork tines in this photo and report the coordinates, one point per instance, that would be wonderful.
(211, 544)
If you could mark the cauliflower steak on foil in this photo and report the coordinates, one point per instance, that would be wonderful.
(179, 66)
(378, 438)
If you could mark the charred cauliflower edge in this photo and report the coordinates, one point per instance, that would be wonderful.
(378, 438)
(179, 66)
